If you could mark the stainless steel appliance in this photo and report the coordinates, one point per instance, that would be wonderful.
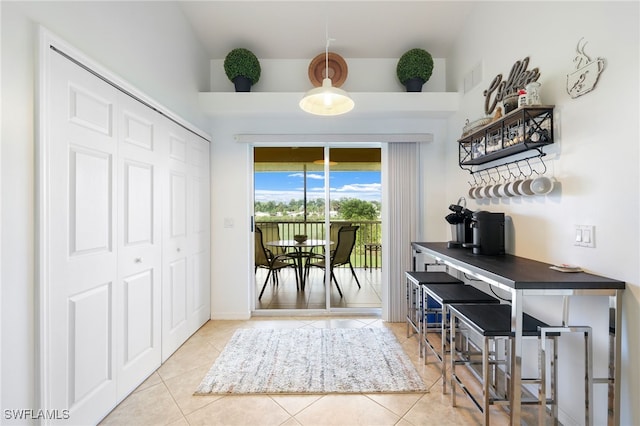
(460, 221)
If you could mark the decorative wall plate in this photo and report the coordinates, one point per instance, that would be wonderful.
(337, 69)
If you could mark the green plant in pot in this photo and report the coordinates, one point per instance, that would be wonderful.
(414, 69)
(242, 68)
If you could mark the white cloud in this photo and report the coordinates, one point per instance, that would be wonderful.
(309, 176)
(360, 187)
(362, 191)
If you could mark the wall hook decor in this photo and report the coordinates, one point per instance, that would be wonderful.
(587, 72)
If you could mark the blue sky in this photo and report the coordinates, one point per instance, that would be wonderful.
(284, 186)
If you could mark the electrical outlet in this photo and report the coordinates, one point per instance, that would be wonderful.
(585, 236)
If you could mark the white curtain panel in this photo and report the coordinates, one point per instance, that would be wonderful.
(403, 202)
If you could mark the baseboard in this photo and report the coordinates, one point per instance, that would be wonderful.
(231, 316)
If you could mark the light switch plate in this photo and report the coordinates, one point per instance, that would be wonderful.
(585, 236)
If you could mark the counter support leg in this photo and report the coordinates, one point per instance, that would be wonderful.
(516, 358)
(617, 346)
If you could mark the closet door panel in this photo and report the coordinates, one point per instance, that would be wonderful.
(138, 130)
(199, 233)
(200, 300)
(90, 343)
(89, 109)
(177, 313)
(177, 148)
(139, 313)
(138, 292)
(176, 257)
(178, 201)
(90, 201)
(79, 238)
(138, 204)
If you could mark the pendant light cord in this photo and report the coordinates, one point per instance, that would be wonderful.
(326, 49)
(326, 60)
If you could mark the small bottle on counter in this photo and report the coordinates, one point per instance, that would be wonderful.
(522, 98)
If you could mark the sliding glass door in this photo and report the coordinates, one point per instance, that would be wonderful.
(335, 204)
(355, 203)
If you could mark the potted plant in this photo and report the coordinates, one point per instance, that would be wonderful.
(414, 69)
(242, 68)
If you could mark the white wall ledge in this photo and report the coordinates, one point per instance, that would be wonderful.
(378, 104)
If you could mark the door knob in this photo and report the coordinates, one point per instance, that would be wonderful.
(138, 260)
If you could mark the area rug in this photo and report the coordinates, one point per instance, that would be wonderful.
(341, 360)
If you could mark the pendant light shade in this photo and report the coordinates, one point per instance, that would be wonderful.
(326, 99)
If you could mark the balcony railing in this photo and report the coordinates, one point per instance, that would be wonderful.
(369, 232)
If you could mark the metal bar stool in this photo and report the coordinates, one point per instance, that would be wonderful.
(490, 324)
(542, 365)
(415, 308)
(437, 298)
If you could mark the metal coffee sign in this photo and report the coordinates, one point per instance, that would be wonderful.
(518, 78)
(585, 77)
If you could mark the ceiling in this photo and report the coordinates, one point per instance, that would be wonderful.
(297, 29)
(293, 158)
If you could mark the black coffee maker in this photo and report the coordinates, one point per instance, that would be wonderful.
(488, 233)
(460, 221)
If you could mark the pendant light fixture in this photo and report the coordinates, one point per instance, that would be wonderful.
(321, 162)
(326, 99)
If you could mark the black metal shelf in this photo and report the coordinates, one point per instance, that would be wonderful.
(504, 152)
(527, 128)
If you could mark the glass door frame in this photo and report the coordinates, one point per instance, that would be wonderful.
(328, 309)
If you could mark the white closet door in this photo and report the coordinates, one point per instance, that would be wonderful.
(125, 255)
(139, 285)
(81, 243)
(177, 274)
(198, 305)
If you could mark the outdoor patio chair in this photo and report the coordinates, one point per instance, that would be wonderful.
(265, 259)
(341, 255)
(271, 232)
(334, 228)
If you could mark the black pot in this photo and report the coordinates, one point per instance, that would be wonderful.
(414, 84)
(510, 103)
(242, 83)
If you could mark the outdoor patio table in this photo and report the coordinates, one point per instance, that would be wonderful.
(301, 250)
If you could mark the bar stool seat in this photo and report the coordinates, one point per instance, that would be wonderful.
(433, 277)
(490, 322)
(415, 308)
(437, 298)
(495, 320)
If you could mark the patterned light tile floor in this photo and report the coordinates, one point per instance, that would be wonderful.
(165, 398)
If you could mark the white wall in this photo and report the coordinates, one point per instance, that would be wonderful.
(232, 198)
(147, 44)
(595, 157)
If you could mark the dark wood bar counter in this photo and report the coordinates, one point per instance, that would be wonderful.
(517, 272)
